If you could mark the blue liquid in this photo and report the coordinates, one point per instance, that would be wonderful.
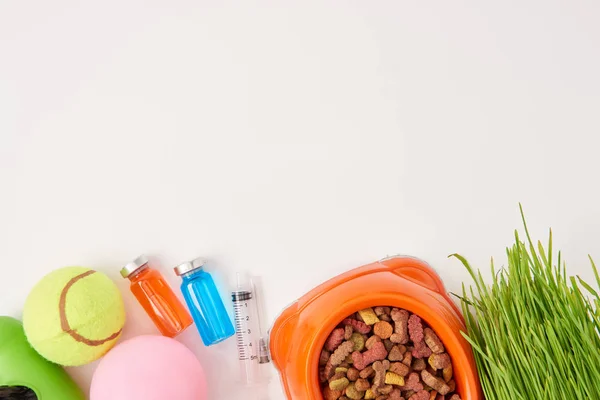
(206, 307)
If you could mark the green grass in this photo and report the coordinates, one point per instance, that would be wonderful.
(534, 330)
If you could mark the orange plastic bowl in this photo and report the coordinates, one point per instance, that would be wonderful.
(299, 333)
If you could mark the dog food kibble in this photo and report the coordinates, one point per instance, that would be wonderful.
(400, 318)
(436, 383)
(420, 395)
(371, 341)
(419, 365)
(413, 382)
(407, 360)
(348, 331)
(352, 374)
(385, 353)
(375, 353)
(335, 339)
(383, 330)
(433, 341)
(396, 354)
(399, 369)
(388, 344)
(421, 350)
(358, 326)
(358, 340)
(324, 357)
(447, 373)
(368, 316)
(439, 361)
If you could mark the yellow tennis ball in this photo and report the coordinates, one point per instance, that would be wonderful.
(73, 316)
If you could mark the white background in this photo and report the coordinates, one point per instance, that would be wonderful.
(293, 140)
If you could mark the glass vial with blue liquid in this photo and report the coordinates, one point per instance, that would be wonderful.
(205, 303)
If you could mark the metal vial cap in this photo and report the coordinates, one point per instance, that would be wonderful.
(134, 266)
(189, 266)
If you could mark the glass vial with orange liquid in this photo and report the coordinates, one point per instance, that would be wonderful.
(156, 297)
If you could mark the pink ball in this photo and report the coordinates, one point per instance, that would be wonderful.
(149, 368)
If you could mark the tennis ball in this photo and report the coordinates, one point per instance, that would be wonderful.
(73, 316)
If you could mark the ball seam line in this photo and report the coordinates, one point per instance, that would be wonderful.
(64, 322)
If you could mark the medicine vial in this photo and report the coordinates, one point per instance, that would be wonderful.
(204, 302)
(156, 297)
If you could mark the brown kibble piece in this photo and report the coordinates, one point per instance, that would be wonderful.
(399, 369)
(452, 385)
(400, 318)
(324, 357)
(396, 394)
(386, 318)
(432, 395)
(413, 382)
(447, 373)
(322, 377)
(380, 368)
(341, 353)
(395, 354)
(433, 341)
(362, 385)
(379, 311)
(439, 361)
(419, 364)
(397, 338)
(407, 360)
(420, 395)
(329, 394)
(388, 345)
(454, 397)
(348, 331)
(436, 383)
(328, 371)
(371, 341)
(352, 374)
(367, 372)
(385, 389)
(383, 329)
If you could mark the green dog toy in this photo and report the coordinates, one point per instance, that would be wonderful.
(24, 374)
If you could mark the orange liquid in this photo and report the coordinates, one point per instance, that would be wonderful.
(160, 302)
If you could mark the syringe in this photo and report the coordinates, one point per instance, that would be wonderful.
(252, 348)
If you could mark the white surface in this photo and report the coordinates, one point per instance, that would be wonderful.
(294, 141)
